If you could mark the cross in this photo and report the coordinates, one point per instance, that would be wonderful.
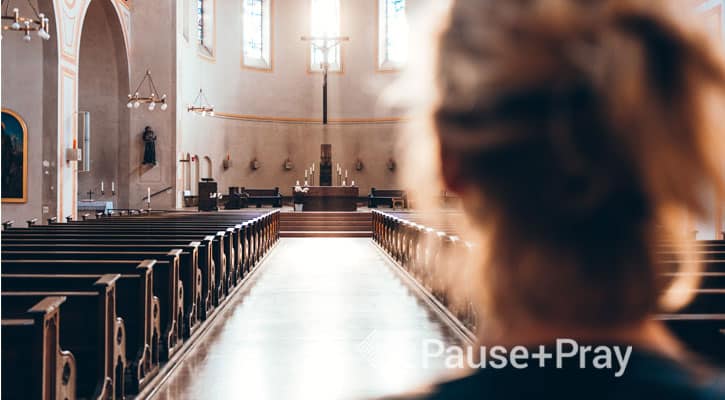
(90, 195)
(328, 43)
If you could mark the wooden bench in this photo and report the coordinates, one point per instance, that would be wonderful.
(34, 364)
(259, 197)
(379, 197)
(205, 261)
(89, 329)
(166, 285)
(189, 272)
(135, 303)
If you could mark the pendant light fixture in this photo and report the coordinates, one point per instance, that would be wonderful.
(23, 24)
(152, 99)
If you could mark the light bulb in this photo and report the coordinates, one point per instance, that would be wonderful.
(15, 26)
(129, 104)
(164, 106)
(211, 113)
(203, 113)
(27, 37)
(41, 32)
(137, 104)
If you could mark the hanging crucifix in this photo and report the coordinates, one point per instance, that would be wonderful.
(325, 44)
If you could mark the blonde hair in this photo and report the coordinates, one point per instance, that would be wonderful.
(580, 131)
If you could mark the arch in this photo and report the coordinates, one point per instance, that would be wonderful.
(103, 71)
(207, 168)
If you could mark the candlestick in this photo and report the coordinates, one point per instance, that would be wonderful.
(297, 183)
(306, 182)
(353, 183)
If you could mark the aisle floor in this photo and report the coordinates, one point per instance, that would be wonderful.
(322, 319)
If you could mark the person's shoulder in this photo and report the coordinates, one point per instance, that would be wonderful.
(649, 377)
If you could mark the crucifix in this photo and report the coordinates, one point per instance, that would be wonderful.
(325, 44)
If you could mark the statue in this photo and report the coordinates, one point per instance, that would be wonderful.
(149, 153)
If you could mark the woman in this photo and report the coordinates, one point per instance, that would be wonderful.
(577, 133)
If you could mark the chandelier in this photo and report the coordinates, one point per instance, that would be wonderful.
(22, 24)
(201, 105)
(135, 100)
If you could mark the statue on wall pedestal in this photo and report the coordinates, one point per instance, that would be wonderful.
(149, 153)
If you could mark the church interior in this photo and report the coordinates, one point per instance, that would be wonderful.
(220, 199)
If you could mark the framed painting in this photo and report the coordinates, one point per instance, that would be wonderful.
(14, 169)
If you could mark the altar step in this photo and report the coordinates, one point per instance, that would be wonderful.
(326, 224)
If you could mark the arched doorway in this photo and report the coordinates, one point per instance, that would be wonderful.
(103, 84)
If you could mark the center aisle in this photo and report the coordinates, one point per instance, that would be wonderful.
(323, 318)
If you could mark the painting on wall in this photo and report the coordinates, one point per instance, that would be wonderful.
(14, 158)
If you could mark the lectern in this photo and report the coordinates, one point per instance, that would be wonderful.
(208, 195)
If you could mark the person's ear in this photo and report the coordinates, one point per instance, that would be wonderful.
(452, 171)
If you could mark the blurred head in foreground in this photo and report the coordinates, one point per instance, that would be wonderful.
(578, 134)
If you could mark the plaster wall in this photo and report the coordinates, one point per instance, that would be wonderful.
(99, 89)
(22, 92)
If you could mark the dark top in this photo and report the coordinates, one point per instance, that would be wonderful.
(648, 376)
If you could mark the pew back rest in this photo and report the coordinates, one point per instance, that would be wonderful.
(261, 192)
(387, 193)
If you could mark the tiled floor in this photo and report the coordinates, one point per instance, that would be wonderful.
(323, 319)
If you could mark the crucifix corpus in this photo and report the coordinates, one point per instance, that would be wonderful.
(325, 44)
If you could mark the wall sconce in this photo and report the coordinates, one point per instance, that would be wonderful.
(359, 165)
(254, 165)
(391, 165)
(288, 164)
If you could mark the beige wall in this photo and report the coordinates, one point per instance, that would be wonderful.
(102, 85)
(272, 143)
(22, 90)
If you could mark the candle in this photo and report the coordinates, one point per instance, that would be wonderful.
(75, 143)
(313, 167)
(305, 173)
(345, 173)
(148, 197)
(306, 182)
(113, 186)
(297, 183)
(353, 183)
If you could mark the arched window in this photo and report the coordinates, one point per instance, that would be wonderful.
(256, 34)
(205, 20)
(392, 34)
(325, 22)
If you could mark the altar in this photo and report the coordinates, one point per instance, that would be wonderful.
(331, 198)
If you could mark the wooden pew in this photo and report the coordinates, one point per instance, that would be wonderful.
(166, 285)
(385, 197)
(101, 236)
(223, 246)
(259, 197)
(206, 263)
(135, 303)
(89, 329)
(422, 250)
(190, 274)
(34, 365)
